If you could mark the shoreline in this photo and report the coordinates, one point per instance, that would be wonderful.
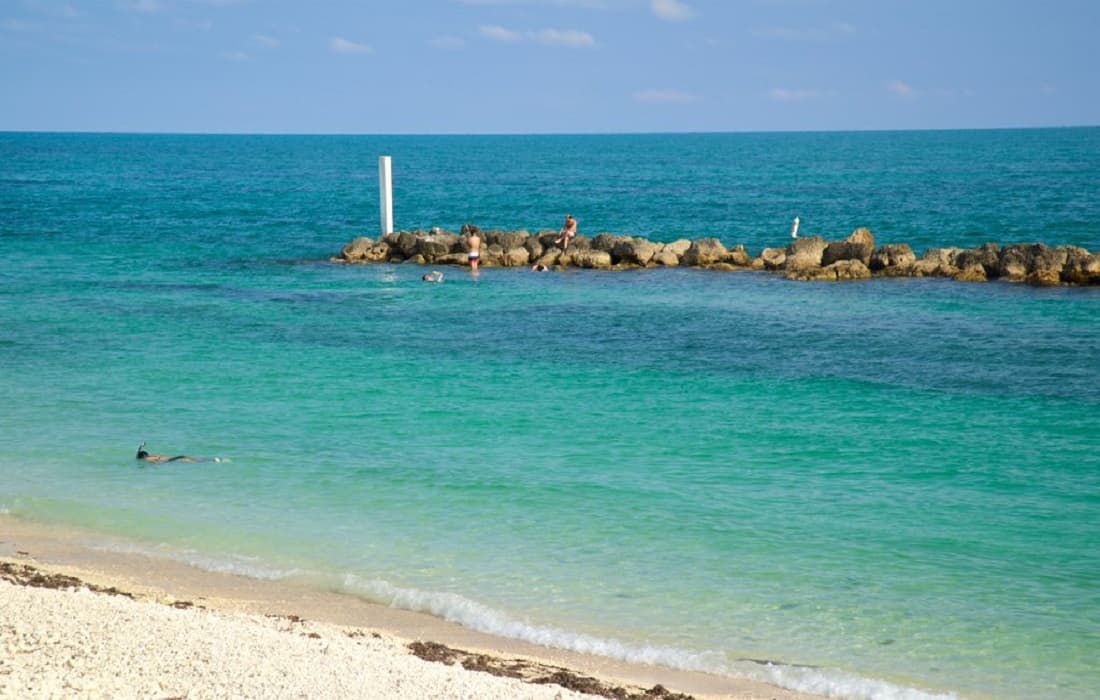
(131, 580)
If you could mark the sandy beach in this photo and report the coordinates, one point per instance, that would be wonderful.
(81, 622)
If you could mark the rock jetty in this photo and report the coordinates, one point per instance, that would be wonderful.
(808, 259)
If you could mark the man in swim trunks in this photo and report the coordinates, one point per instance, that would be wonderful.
(146, 457)
(568, 230)
(473, 249)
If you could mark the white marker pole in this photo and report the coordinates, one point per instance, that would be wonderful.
(385, 193)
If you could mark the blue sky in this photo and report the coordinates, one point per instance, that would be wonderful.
(546, 66)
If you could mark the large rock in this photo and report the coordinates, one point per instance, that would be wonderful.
(806, 252)
(606, 242)
(436, 246)
(1048, 261)
(506, 239)
(580, 243)
(1035, 263)
(550, 258)
(725, 267)
(379, 252)
(452, 259)
(515, 257)
(937, 262)
(891, 256)
(666, 256)
(492, 256)
(677, 247)
(634, 251)
(534, 247)
(987, 256)
(972, 273)
(738, 257)
(1014, 262)
(1044, 278)
(850, 270)
(840, 271)
(356, 249)
(1081, 267)
(857, 246)
(593, 259)
(703, 252)
(774, 258)
(546, 238)
(405, 244)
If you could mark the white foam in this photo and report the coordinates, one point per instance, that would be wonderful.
(473, 615)
(834, 683)
(223, 564)
(458, 609)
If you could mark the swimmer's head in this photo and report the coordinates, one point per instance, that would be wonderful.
(141, 453)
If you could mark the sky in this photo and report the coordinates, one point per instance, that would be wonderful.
(546, 66)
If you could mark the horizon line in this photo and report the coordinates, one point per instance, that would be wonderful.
(109, 132)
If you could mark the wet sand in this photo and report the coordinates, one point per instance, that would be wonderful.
(79, 621)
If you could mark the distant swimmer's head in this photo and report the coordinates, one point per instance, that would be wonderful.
(141, 453)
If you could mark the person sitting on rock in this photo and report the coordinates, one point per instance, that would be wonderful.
(568, 231)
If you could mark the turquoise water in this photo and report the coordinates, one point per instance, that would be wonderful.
(892, 488)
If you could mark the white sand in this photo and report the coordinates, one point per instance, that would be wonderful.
(79, 644)
(244, 638)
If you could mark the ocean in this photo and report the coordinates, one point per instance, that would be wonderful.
(888, 489)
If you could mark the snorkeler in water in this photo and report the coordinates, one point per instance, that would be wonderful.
(146, 457)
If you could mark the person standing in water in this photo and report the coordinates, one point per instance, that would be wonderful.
(794, 228)
(473, 248)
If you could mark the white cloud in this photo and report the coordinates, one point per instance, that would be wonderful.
(671, 10)
(901, 89)
(550, 37)
(571, 38)
(658, 95)
(498, 33)
(447, 42)
(237, 56)
(793, 95)
(266, 41)
(346, 46)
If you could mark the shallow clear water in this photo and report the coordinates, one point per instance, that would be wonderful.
(896, 482)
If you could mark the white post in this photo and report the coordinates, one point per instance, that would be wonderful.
(385, 193)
